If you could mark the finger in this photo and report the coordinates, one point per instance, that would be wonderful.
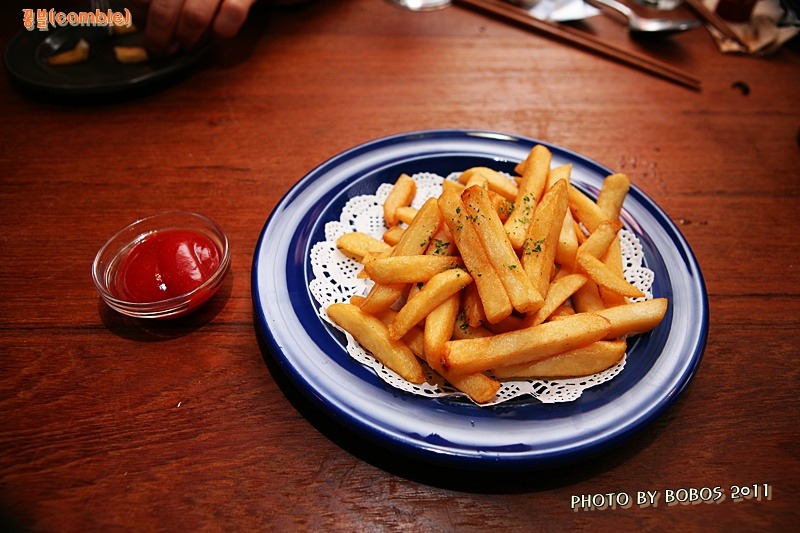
(195, 19)
(162, 19)
(231, 16)
(138, 9)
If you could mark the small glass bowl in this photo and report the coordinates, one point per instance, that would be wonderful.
(113, 253)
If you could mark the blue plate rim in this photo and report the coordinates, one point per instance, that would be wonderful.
(446, 453)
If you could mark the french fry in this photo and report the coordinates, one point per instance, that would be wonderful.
(465, 331)
(414, 289)
(511, 323)
(495, 300)
(502, 206)
(610, 199)
(495, 181)
(561, 172)
(78, 54)
(613, 288)
(600, 239)
(522, 166)
(584, 361)
(392, 235)
(366, 259)
(585, 210)
(559, 291)
(414, 338)
(562, 311)
(369, 256)
(456, 186)
(373, 335)
(612, 195)
(568, 239)
(633, 318)
(442, 243)
(476, 179)
(579, 233)
(541, 240)
(124, 29)
(414, 241)
(587, 298)
(480, 387)
(559, 273)
(131, 54)
(613, 260)
(537, 165)
(405, 214)
(417, 236)
(531, 189)
(606, 278)
(523, 295)
(402, 194)
(382, 297)
(438, 329)
(434, 293)
(567, 251)
(470, 356)
(357, 300)
(358, 245)
(472, 306)
(409, 268)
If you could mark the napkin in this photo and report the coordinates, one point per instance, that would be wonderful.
(770, 26)
(558, 10)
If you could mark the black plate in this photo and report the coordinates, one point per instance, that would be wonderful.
(26, 58)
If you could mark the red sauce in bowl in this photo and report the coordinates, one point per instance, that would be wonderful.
(166, 264)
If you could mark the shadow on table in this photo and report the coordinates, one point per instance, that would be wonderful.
(153, 330)
(462, 480)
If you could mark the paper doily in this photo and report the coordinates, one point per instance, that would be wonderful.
(335, 280)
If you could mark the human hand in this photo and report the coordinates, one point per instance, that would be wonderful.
(173, 24)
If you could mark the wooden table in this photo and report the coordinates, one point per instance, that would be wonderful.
(112, 423)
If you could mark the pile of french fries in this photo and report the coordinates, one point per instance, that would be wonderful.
(497, 278)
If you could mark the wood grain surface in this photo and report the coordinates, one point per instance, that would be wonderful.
(109, 423)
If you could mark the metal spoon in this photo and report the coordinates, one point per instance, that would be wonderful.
(643, 24)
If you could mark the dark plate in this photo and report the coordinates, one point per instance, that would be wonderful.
(26, 59)
(523, 433)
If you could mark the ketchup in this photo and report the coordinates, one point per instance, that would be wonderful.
(166, 264)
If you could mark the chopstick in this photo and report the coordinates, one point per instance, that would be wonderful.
(715, 20)
(584, 40)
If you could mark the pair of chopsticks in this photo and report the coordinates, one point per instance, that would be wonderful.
(511, 13)
(715, 20)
